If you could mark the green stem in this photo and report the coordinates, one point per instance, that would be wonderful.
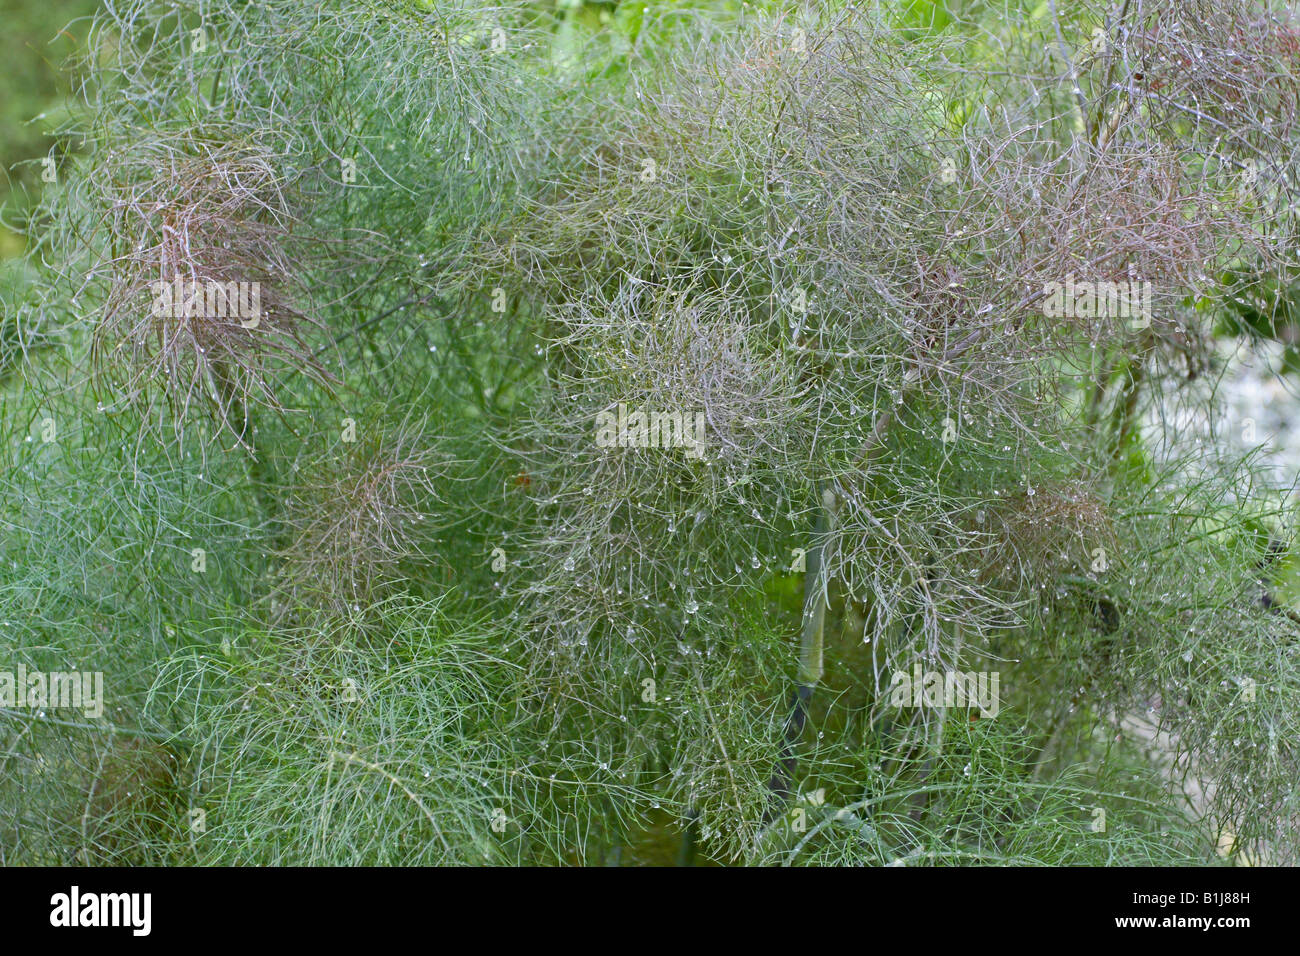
(813, 636)
(1124, 417)
(812, 642)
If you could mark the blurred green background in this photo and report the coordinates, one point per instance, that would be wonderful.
(36, 42)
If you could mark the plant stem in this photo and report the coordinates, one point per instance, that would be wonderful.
(811, 658)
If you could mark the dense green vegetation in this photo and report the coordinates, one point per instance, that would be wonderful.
(366, 585)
